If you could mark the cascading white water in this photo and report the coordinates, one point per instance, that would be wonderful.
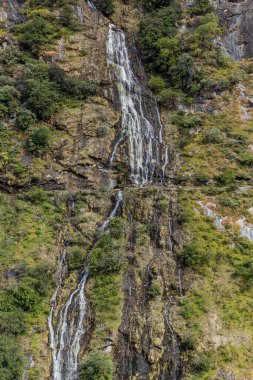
(119, 198)
(66, 337)
(69, 332)
(142, 142)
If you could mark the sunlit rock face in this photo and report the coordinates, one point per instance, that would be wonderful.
(9, 10)
(237, 18)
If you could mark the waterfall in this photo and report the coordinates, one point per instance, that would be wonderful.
(66, 337)
(69, 332)
(142, 143)
(119, 199)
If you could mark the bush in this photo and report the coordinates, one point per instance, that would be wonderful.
(11, 359)
(8, 100)
(36, 195)
(150, 5)
(105, 6)
(154, 290)
(42, 97)
(157, 83)
(117, 227)
(227, 177)
(186, 120)
(72, 85)
(194, 256)
(40, 279)
(39, 139)
(170, 97)
(25, 297)
(212, 135)
(36, 34)
(106, 256)
(97, 366)
(67, 17)
(202, 362)
(12, 322)
(155, 26)
(106, 299)
(25, 119)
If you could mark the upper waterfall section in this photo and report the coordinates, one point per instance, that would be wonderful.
(139, 109)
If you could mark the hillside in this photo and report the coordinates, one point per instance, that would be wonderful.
(126, 153)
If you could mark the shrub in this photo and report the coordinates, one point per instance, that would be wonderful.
(186, 120)
(25, 119)
(202, 362)
(246, 158)
(170, 97)
(227, 177)
(42, 97)
(157, 83)
(67, 17)
(193, 255)
(8, 100)
(154, 290)
(150, 5)
(212, 135)
(106, 299)
(12, 321)
(103, 131)
(40, 279)
(36, 34)
(155, 26)
(39, 139)
(106, 256)
(106, 6)
(25, 297)
(117, 227)
(97, 366)
(11, 359)
(72, 85)
(36, 195)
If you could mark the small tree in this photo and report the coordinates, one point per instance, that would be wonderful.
(97, 366)
(106, 6)
(36, 34)
(25, 119)
(42, 97)
(11, 359)
(39, 139)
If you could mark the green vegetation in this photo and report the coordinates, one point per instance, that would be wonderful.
(36, 34)
(97, 366)
(42, 97)
(11, 359)
(106, 6)
(39, 139)
(186, 62)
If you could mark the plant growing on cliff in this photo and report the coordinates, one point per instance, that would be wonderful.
(97, 366)
(25, 119)
(42, 97)
(37, 34)
(106, 6)
(11, 359)
(39, 139)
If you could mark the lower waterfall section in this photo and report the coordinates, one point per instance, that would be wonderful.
(66, 335)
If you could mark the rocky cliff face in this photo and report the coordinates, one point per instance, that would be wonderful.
(107, 218)
(236, 16)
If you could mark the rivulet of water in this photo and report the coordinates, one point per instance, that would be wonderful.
(67, 334)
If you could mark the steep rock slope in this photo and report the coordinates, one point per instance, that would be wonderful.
(167, 295)
(236, 17)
